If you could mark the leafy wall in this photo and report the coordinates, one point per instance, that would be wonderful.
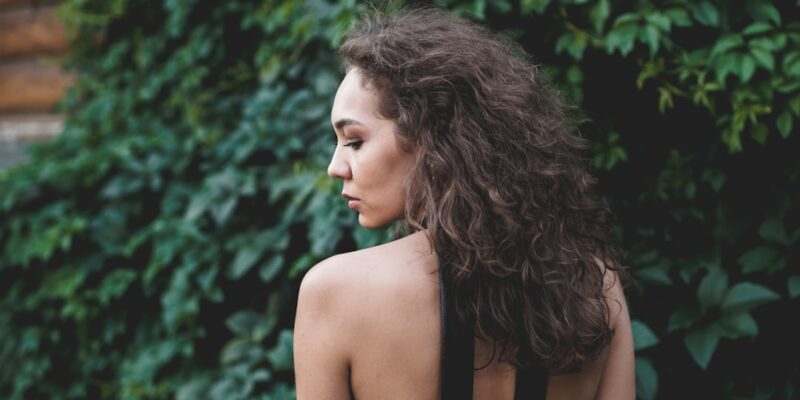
(154, 249)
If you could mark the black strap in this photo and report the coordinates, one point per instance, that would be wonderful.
(458, 344)
(531, 383)
(458, 353)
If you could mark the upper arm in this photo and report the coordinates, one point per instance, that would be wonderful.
(321, 357)
(612, 376)
(618, 380)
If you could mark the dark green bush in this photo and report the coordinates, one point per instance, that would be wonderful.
(155, 248)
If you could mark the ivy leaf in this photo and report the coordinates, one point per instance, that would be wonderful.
(646, 379)
(725, 44)
(746, 296)
(621, 37)
(651, 37)
(598, 14)
(250, 324)
(712, 287)
(537, 6)
(772, 230)
(643, 336)
(757, 28)
(678, 17)
(705, 13)
(701, 344)
(280, 356)
(794, 286)
(764, 11)
(683, 318)
(763, 57)
(759, 133)
(746, 67)
(573, 43)
(115, 284)
(739, 324)
(784, 123)
(791, 64)
(271, 268)
(655, 273)
(762, 258)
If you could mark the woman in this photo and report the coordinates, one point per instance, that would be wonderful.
(506, 285)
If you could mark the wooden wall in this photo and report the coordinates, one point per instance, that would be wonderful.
(33, 43)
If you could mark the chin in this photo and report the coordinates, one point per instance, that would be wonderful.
(372, 223)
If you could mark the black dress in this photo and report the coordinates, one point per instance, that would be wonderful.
(458, 350)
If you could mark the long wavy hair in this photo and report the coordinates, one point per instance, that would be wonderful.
(500, 183)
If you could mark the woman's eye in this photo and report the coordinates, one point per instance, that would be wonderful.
(355, 145)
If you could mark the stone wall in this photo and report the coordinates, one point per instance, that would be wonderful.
(33, 43)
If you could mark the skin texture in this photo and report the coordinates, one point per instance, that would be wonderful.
(368, 158)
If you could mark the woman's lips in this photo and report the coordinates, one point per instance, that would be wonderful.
(352, 202)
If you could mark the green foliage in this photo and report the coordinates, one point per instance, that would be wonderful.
(155, 248)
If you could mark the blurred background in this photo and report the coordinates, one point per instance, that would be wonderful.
(163, 186)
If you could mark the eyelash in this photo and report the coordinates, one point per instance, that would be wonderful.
(355, 145)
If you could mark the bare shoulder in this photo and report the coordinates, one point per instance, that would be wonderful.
(358, 280)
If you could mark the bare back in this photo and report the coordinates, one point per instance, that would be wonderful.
(372, 326)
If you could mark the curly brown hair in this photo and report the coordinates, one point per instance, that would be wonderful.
(500, 182)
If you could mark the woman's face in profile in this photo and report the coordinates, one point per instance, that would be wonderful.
(368, 158)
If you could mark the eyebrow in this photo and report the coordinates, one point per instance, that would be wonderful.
(344, 122)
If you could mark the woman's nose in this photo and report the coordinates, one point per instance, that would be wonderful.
(338, 168)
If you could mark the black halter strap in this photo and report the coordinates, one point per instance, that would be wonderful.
(458, 352)
(458, 344)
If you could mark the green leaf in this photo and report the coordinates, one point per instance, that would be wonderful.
(500, 6)
(679, 17)
(715, 177)
(280, 356)
(651, 36)
(573, 43)
(772, 230)
(764, 11)
(271, 268)
(537, 6)
(746, 67)
(705, 13)
(598, 14)
(221, 211)
(757, 28)
(655, 274)
(701, 344)
(759, 133)
(244, 260)
(784, 123)
(251, 325)
(794, 105)
(762, 258)
(737, 325)
(646, 379)
(683, 318)
(763, 57)
(115, 284)
(712, 287)
(794, 286)
(621, 38)
(791, 64)
(659, 21)
(241, 351)
(725, 44)
(746, 296)
(643, 336)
